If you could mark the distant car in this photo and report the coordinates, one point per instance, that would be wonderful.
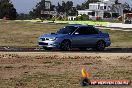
(75, 36)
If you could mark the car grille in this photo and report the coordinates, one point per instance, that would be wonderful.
(41, 43)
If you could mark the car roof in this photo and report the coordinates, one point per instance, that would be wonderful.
(80, 25)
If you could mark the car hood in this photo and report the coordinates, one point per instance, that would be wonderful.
(52, 35)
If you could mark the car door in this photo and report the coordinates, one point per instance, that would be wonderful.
(79, 37)
(91, 36)
(84, 37)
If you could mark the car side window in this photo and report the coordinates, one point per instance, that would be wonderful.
(92, 30)
(86, 30)
(82, 31)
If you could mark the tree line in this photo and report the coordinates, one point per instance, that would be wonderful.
(66, 8)
(7, 10)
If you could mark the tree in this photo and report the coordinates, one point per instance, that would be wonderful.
(52, 8)
(116, 2)
(82, 17)
(58, 8)
(78, 7)
(131, 8)
(23, 16)
(36, 12)
(63, 9)
(126, 6)
(85, 5)
(66, 8)
(7, 10)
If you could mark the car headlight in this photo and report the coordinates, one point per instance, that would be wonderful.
(52, 39)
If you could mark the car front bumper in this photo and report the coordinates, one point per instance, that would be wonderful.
(108, 43)
(49, 44)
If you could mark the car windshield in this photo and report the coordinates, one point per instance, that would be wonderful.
(67, 30)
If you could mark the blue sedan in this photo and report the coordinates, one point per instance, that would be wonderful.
(75, 36)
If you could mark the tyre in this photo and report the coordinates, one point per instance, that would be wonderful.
(47, 48)
(100, 46)
(65, 46)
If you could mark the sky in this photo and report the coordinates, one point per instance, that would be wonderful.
(24, 6)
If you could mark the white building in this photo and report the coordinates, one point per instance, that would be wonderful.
(95, 9)
(103, 9)
(71, 17)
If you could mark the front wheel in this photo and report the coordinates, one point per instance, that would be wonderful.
(65, 46)
(100, 46)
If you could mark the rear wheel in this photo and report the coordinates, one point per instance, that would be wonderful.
(100, 46)
(65, 46)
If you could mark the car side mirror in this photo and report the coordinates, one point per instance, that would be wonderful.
(76, 33)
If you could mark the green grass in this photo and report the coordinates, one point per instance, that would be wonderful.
(25, 34)
(120, 38)
(101, 23)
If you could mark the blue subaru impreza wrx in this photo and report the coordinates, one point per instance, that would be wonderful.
(75, 36)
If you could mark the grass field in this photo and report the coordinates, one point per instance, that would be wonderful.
(85, 22)
(25, 34)
(101, 23)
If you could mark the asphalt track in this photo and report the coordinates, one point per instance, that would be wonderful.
(107, 50)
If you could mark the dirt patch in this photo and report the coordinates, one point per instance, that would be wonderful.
(61, 70)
